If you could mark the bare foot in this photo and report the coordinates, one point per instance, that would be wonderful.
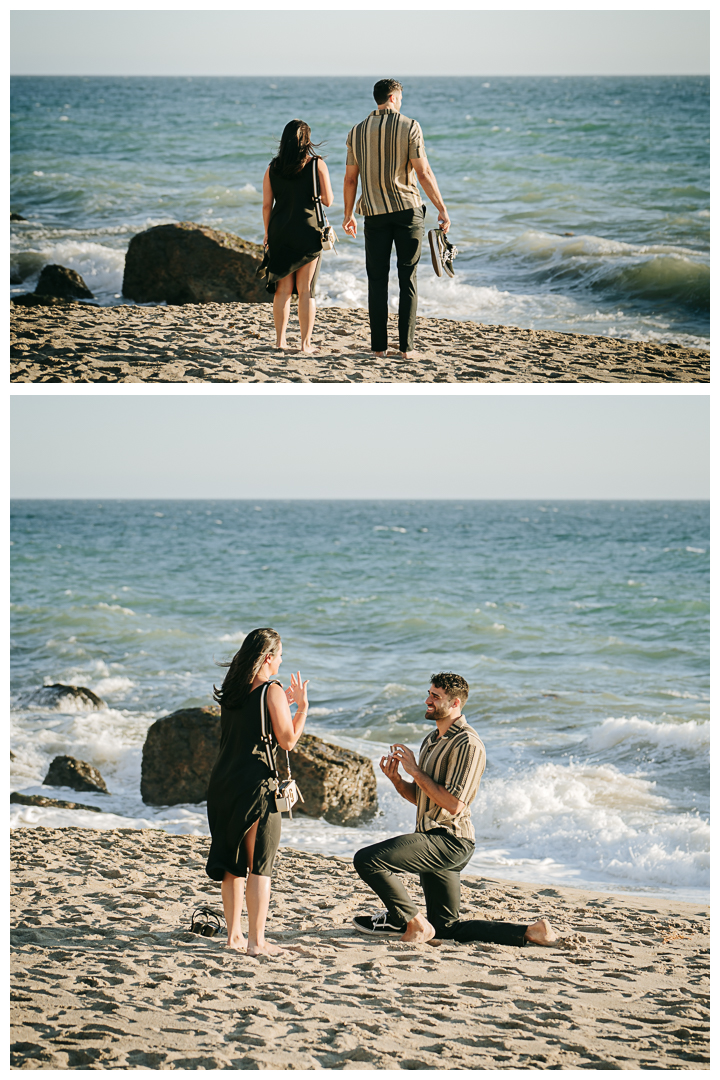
(418, 930)
(237, 943)
(383, 353)
(541, 933)
(309, 349)
(281, 345)
(412, 355)
(266, 949)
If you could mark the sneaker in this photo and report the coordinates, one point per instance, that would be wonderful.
(435, 250)
(448, 252)
(379, 925)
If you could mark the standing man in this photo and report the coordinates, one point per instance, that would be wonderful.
(382, 151)
(444, 782)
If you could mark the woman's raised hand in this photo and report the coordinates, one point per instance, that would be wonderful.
(297, 692)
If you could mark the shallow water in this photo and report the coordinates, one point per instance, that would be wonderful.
(582, 628)
(578, 204)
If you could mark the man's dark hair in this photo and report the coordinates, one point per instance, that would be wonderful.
(383, 89)
(453, 685)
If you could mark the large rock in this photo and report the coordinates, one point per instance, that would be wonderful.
(178, 756)
(58, 695)
(192, 264)
(62, 282)
(336, 784)
(69, 772)
(180, 751)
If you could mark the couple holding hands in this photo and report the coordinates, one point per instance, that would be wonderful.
(443, 781)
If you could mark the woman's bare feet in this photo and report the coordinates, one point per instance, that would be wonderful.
(541, 933)
(412, 355)
(237, 943)
(308, 349)
(266, 948)
(281, 345)
(418, 930)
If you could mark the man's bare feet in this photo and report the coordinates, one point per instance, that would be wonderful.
(264, 949)
(541, 933)
(383, 353)
(418, 930)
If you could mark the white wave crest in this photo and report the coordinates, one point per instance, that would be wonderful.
(689, 735)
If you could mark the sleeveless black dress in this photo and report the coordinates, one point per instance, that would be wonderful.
(240, 793)
(294, 238)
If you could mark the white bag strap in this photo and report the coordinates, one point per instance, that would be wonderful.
(266, 735)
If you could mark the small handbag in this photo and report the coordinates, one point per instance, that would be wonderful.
(287, 792)
(329, 239)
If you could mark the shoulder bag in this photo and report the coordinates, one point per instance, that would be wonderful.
(329, 239)
(287, 792)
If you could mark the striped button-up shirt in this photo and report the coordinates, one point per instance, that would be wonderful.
(382, 146)
(456, 760)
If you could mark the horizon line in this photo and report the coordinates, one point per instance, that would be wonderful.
(285, 75)
(359, 498)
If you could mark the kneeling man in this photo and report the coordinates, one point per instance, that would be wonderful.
(444, 781)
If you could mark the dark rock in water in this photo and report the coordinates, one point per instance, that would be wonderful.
(51, 696)
(178, 756)
(42, 800)
(67, 771)
(17, 217)
(12, 756)
(62, 282)
(336, 784)
(180, 751)
(31, 299)
(192, 264)
(15, 279)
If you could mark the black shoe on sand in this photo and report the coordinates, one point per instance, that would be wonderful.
(379, 926)
(435, 250)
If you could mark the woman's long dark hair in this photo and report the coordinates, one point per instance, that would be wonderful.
(245, 665)
(293, 151)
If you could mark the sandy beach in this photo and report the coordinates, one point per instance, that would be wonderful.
(76, 342)
(106, 974)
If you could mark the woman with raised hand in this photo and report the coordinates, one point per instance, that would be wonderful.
(292, 233)
(244, 820)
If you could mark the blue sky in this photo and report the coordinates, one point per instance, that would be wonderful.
(367, 42)
(615, 446)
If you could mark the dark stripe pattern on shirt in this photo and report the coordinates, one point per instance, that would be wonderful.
(382, 146)
(456, 761)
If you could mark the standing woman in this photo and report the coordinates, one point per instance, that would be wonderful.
(292, 235)
(244, 821)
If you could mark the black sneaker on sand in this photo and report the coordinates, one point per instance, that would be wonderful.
(379, 926)
(435, 250)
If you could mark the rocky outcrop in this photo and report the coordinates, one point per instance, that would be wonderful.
(192, 264)
(17, 217)
(53, 696)
(57, 285)
(178, 756)
(180, 751)
(62, 282)
(336, 783)
(67, 771)
(42, 800)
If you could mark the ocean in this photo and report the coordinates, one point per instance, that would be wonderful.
(578, 204)
(581, 627)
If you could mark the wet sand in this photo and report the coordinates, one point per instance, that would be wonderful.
(107, 976)
(234, 343)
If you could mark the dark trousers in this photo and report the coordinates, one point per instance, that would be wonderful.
(405, 229)
(438, 857)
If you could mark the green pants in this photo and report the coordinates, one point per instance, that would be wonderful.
(438, 857)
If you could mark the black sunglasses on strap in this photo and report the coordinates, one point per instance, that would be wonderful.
(206, 922)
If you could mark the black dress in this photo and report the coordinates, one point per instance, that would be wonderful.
(240, 793)
(294, 238)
